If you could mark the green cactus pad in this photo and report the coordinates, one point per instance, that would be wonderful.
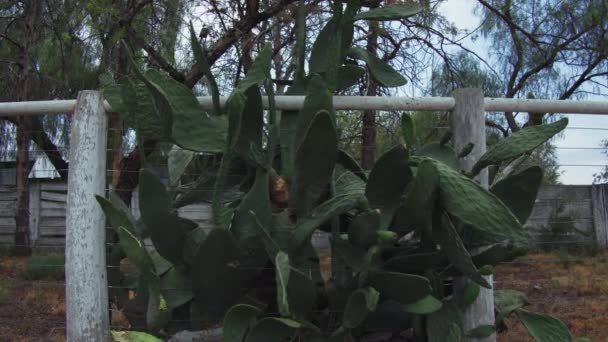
(363, 228)
(322, 57)
(457, 253)
(238, 321)
(544, 327)
(200, 55)
(318, 98)
(519, 143)
(250, 124)
(352, 256)
(465, 199)
(381, 71)
(282, 281)
(244, 228)
(321, 214)
(117, 215)
(216, 279)
(442, 153)
(359, 305)
(424, 306)
(315, 161)
(415, 263)
(492, 255)
(518, 191)
(470, 293)
(136, 107)
(287, 132)
(176, 287)
(408, 130)
(259, 70)
(391, 285)
(133, 336)
(192, 128)
(350, 164)
(301, 291)
(420, 200)
(167, 230)
(178, 161)
(387, 182)
(445, 325)
(273, 329)
(348, 76)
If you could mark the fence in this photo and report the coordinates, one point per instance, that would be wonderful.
(563, 215)
(86, 277)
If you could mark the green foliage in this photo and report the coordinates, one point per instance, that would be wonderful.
(398, 234)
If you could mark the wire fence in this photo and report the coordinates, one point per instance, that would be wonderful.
(565, 265)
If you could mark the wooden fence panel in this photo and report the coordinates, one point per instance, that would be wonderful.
(51, 225)
(562, 213)
(7, 213)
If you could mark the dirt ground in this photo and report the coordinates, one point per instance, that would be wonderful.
(29, 310)
(574, 289)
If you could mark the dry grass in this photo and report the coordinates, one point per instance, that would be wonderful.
(571, 288)
(574, 289)
(32, 311)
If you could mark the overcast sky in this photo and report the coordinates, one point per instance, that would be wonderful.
(584, 131)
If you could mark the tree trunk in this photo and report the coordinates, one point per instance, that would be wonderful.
(22, 217)
(116, 124)
(24, 90)
(368, 134)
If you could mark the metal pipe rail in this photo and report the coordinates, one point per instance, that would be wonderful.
(350, 103)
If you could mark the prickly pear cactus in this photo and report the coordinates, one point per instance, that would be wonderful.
(398, 234)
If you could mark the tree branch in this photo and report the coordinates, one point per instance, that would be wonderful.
(231, 36)
(508, 20)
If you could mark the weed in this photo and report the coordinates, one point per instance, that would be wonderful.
(6, 289)
(48, 266)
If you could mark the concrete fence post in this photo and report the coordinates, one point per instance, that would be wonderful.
(467, 123)
(599, 198)
(34, 203)
(85, 265)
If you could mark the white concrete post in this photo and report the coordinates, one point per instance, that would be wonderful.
(85, 264)
(599, 197)
(467, 123)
